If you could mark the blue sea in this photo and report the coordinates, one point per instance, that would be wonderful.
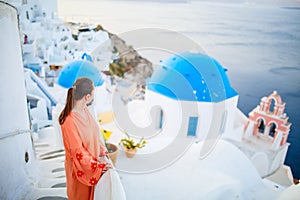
(257, 41)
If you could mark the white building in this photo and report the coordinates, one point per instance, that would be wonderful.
(191, 109)
(190, 97)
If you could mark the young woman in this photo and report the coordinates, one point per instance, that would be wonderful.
(82, 143)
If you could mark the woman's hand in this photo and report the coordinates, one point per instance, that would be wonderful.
(105, 160)
(103, 151)
(107, 167)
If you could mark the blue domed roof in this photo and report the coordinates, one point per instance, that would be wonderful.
(77, 69)
(192, 77)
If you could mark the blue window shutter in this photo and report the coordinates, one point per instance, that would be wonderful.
(192, 129)
(161, 119)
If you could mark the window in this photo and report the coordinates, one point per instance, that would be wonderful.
(161, 114)
(192, 128)
(272, 105)
(272, 129)
(261, 126)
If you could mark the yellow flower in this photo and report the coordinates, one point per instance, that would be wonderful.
(106, 134)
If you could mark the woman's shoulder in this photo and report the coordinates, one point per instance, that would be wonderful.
(69, 121)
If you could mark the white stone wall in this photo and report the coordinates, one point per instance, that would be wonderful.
(17, 175)
(13, 104)
(177, 113)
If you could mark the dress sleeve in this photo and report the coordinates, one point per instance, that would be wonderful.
(86, 167)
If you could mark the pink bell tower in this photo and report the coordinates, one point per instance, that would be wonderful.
(269, 122)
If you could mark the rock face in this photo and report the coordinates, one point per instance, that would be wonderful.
(127, 63)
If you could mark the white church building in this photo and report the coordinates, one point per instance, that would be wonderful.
(190, 99)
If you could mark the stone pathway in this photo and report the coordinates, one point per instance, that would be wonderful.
(50, 160)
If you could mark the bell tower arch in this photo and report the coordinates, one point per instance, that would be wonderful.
(269, 121)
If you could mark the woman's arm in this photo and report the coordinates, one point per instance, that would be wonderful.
(86, 168)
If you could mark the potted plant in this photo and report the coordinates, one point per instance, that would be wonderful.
(111, 148)
(130, 146)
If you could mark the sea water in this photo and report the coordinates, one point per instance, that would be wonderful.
(258, 42)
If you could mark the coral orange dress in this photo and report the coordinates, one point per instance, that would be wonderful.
(82, 150)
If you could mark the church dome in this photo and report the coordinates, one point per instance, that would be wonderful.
(191, 77)
(77, 69)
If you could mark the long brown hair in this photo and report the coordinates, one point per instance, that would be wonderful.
(81, 87)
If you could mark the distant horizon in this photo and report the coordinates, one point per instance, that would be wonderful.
(276, 2)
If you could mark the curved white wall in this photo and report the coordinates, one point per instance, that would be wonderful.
(225, 174)
(18, 172)
(261, 162)
(14, 114)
